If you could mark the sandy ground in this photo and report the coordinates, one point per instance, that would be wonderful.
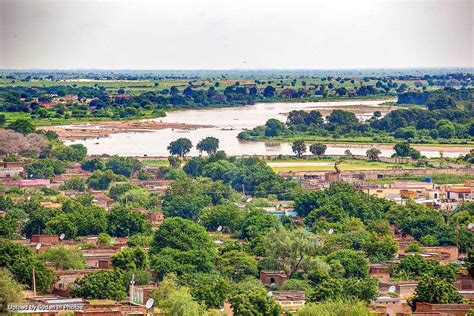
(102, 129)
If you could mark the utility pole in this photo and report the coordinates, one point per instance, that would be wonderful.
(457, 233)
(34, 283)
(132, 289)
(243, 189)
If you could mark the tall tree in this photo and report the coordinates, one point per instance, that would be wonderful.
(299, 148)
(318, 149)
(373, 153)
(291, 249)
(180, 147)
(209, 145)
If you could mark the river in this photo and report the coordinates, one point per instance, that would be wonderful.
(228, 122)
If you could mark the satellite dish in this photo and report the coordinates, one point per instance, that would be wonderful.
(270, 293)
(62, 236)
(38, 246)
(392, 289)
(330, 231)
(249, 200)
(219, 228)
(470, 226)
(149, 303)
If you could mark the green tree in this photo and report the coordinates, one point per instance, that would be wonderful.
(469, 263)
(318, 149)
(44, 168)
(74, 183)
(274, 127)
(124, 222)
(126, 166)
(24, 126)
(65, 258)
(3, 119)
(130, 259)
(103, 284)
(373, 153)
(299, 148)
(354, 263)
(174, 299)
(20, 260)
(292, 249)
(180, 147)
(253, 300)
(436, 291)
(335, 308)
(237, 265)
(181, 234)
(93, 164)
(209, 145)
(208, 288)
(228, 216)
(104, 239)
(100, 180)
(10, 290)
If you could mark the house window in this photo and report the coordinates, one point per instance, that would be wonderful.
(272, 280)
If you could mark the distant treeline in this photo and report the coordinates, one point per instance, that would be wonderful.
(448, 118)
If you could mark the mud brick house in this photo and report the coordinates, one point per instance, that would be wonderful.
(464, 281)
(141, 293)
(100, 257)
(386, 305)
(404, 289)
(66, 278)
(379, 271)
(427, 309)
(448, 254)
(12, 169)
(273, 277)
(290, 300)
(45, 239)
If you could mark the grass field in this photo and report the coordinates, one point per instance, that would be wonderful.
(327, 165)
(155, 162)
(438, 178)
(12, 116)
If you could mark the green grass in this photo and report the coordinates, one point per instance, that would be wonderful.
(328, 165)
(438, 178)
(155, 162)
(12, 116)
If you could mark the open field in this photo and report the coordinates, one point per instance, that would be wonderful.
(438, 178)
(327, 165)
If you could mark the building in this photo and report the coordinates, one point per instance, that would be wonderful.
(459, 194)
(404, 289)
(379, 271)
(45, 239)
(25, 183)
(273, 277)
(291, 300)
(428, 309)
(141, 293)
(391, 306)
(12, 169)
(66, 278)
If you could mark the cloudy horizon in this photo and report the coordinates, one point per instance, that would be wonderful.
(224, 34)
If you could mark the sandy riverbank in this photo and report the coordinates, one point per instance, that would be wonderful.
(103, 129)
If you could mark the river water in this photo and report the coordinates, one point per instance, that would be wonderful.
(227, 123)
